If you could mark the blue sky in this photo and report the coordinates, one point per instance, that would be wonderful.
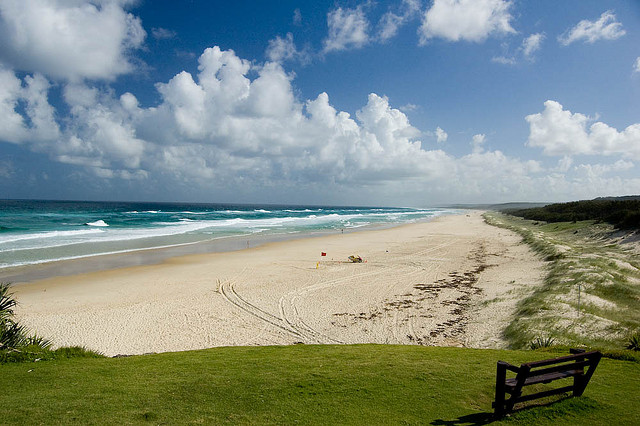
(407, 102)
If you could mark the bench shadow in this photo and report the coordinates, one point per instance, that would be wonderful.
(475, 419)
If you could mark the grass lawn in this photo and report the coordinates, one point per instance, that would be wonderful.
(303, 384)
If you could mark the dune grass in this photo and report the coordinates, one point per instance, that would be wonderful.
(359, 384)
(591, 294)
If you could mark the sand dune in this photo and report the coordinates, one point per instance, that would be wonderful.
(450, 281)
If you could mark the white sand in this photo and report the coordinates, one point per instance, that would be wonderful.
(451, 281)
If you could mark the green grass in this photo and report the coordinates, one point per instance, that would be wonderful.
(360, 384)
(581, 260)
(32, 353)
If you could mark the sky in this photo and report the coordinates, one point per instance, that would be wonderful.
(381, 103)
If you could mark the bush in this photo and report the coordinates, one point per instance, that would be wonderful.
(634, 342)
(13, 335)
(541, 342)
(623, 213)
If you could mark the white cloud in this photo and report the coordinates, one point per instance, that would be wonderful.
(11, 122)
(477, 143)
(7, 169)
(605, 28)
(527, 49)
(284, 49)
(297, 17)
(69, 40)
(391, 22)
(532, 44)
(101, 132)
(408, 107)
(237, 125)
(636, 67)
(564, 164)
(504, 60)
(468, 20)
(162, 33)
(561, 132)
(441, 135)
(281, 49)
(348, 29)
(598, 170)
(38, 123)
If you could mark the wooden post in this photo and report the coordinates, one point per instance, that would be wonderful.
(501, 377)
(523, 372)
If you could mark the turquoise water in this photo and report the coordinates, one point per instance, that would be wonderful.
(33, 232)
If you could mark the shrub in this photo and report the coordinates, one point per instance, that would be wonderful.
(634, 342)
(12, 334)
(541, 342)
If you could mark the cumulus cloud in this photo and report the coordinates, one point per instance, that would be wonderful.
(297, 17)
(280, 49)
(239, 125)
(531, 45)
(564, 164)
(37, 124)
(101, 132)
(560, 132)
(599, 170)
(441, 135)
(284, 49)
(162, 33)
(391, 22)
(527, 49)
(504, 60)
(605, 28)
(348, 29)
(6, 169)
(236, 124)
(477, 143)
(468, 20)
(69, 40)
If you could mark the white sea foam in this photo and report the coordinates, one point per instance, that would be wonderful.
(47, 235)
(99, 223)
(83, 256)
(30, 248)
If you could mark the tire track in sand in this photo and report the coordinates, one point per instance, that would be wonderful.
(290, 314)
(229, 293)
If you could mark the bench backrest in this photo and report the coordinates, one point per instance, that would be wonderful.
(571, 359)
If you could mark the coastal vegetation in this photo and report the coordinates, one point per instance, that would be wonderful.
(301, 384)
(621, 212)
(17, 344)
(591, 292)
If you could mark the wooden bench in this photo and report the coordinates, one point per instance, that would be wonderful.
(546, 371)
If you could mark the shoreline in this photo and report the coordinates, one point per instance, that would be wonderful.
(24, 274)
(452, 281)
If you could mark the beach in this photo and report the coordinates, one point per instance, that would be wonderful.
(450, 281)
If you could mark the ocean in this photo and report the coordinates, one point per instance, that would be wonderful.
(38, 232)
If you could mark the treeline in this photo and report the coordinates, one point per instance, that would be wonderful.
(621, 213)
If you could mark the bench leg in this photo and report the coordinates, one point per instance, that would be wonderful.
(501, 377)
(578, 385)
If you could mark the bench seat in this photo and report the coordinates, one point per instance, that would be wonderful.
(578, 366)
